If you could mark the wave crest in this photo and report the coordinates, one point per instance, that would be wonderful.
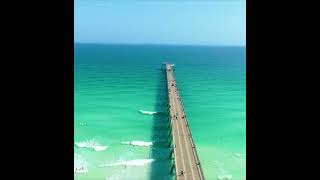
(136, 162)
(112, 178)
(147, 112)
(80, 165)
(138, 143)
(223, 175)
(91, 144)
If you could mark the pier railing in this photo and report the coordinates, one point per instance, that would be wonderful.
(189, 131)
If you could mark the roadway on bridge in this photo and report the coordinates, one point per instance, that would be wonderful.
(187, 165)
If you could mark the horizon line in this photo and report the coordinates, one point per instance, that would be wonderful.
(160, 44)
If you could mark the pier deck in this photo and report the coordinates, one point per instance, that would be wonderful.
(186, 162)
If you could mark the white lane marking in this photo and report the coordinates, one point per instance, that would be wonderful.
(178, 131)
(192, 172)
(183, 164)
(173, 126)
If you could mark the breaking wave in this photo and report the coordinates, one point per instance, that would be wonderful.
(147, 112)
(223, 175)
(112, 178)
(136, 162)
(138, 143)
(91, 144)
(80, 165)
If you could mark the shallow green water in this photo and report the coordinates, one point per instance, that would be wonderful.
(114, 82)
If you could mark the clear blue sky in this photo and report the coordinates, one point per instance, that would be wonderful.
(198, 22)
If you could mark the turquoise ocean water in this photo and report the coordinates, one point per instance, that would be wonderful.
(114, 82)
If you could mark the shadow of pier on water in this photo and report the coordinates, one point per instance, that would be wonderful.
(160, 168)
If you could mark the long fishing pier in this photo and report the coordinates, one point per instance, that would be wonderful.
(186, 162)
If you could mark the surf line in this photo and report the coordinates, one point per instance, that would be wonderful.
(137, 143)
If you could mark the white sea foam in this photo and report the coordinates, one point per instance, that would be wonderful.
(223, 175)
(91, 144)
(80, 170)
(80, 165)
(138, 143)
(237, 154)
(136, 162)
(147, 112)
(112, 178)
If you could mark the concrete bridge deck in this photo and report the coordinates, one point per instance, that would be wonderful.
(186, 162)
